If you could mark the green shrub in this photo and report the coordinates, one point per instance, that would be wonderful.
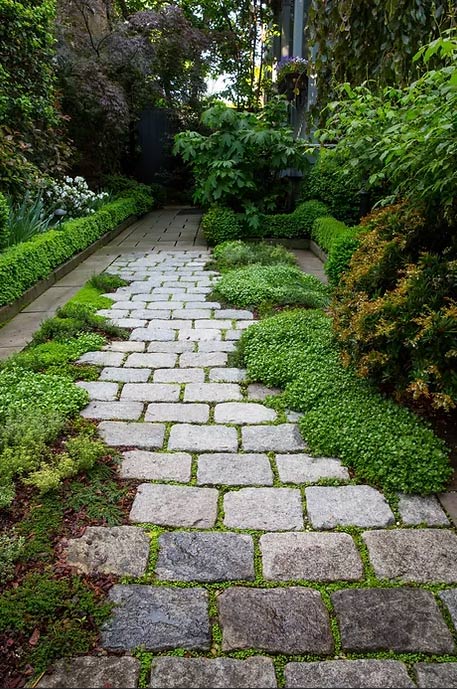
(11, 547)
(280, 285)
(237, 253)
(105, 282)
(4, 230)
(73, 319)
(54, 354)
(339, 242)
(219, 225)
(296, 225)
(119, 185)
(344, 416)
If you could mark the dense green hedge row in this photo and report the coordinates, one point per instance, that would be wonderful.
(220, 225)
(25, 264)
(339, 243)
(296, 225)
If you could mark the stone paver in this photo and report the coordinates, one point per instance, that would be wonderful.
(151, 360)
(126, 375)
(330, 506)
(449, 502)
(157, 618)
(436, 675)
(145, 435)
(293, 620)
(227, 375)
(156, 466)
(168, 505)
(301, 468)
(348, 674)
(211, 392)
(205, 357)
(170, 347)
(205, 557)
(203, 438)
(243, 413)
(403, 620)
(100, 390)
(124, 410)
(417, 509)
(311, 556)
(151, 392)
(93, 672)
(265, 509)
(414, 555)
(217, 673)
(194, 413)
(282, 438)
(102, 358)
(258, 392)
(121, 550)
(234, 469)
(449, 599)
(148, 334)
(179, 375)
(125, 346)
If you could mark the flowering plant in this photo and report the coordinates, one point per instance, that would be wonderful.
(291, 65)
(72, 198)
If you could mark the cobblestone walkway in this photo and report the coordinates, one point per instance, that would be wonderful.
(232, 554)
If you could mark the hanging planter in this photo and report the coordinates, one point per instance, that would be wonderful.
(292, 79)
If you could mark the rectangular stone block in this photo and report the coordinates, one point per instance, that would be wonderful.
(126, 375)
(121, 434)
(211, 392)
(264, 509)
(215, 346)
(212, 323)
(148, 334)
(192, 335)
(152, 360)
(436, 675)
(348, 674)
(186, 413)
(125, 346)
(179, 375)
(102, 358)
(151, 392)
(330, 506)
(95, 672)
(243, 413)
(202, 359)
(195, 438)
(168, 505)
(99, 390)
(420, 509)
(234, 469)
(282, 438)
(171, 347)
(156, 466)
(301, 468)
(113, 410)
(191, 314)
(227, 375)
(220, 673)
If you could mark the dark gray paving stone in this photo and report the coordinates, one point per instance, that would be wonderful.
(196, 438)
(282, 438)
(449, 598)
(449, 502)
(301, 468)
(217, 673)
(169, 505)
(234, 469)
(419, 509)
(265, 509)
(151, 392)
(243, 413)
(330, 506)
(92, 672)
(126, 410)
(122, 550)
(177, 411)
(145, 435)
(403, 620)
(311, 556)
(348, 674)
(436, 675)
(185, 556)
(157, 618)
(282, 620)
(156, 466)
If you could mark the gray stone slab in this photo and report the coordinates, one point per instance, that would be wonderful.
(234, 314)
(201, 304)
(310, 556)
(227, 375)
(195, 438)
(171, 347)
(151, 360)
(259, 392)
(156, 466)
(449, 502)
(282, 438)
(121, 550)
(217, 673)
(404, 620)
(102, 358)
(163, 305)
(414, 555)
(169, 505)
(215, 347)
(436, 675)
(243, 413)
(126, 375)
(92, 672)
(264, 509)
(145, 435)
(213, 324)
(148, 334)
(150, 314)
(348, 674)
(211, 392)
(206, 335)
(125, 346)
(186, 413)
(179, 375)
(151, 392)
(191, 314)
(99, 390)
(330, 506)
(301, 468)
(449, 598)
(279, 620)
(233, 334)
(128, 411)
(157, 618)
(234, 469)
(202, 358)
(207, 557)
(133, 323)
(418, 509)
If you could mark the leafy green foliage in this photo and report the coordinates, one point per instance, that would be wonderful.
(27, 219)
(71, 320)
(4, 215)
(40, 526)
(11, 548)
(98, 495)
(343, 416)
(298, 224)
(52, 356)
(230, 255)
(20, 390)
(220, 224)
(339, 242)
(280, 285)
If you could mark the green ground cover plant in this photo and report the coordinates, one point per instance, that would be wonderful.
(339, 242)
(235, 254)
(343, 416)
(296, 225)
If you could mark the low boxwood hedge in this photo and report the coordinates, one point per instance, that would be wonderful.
(339, 242)
(296, 225)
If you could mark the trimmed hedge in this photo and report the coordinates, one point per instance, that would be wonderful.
(296, 225)
(23, 265)
(235, 254)
(339, 242)
(220, 224)
(4, 211)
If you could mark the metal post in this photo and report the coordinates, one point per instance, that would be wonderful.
(285, 29)
(299, 27)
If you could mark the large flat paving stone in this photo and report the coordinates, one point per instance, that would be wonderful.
(311, 556)
(185, 556)
(449, 502)
(403, 620)
(126, 410)
(92, 672)
(151, 360)
(102, 358)
(414, 555)
(282, 620)
(99, 390)
(170, 347)
(184, 412)
(220, 468)
(126, 375)
(196, 438)
(243, 413)
(151, 392)
(179, 375)
(330, 506)
(158, 334)
(168, 505)
(145, 435)
(301, 468)
(449, 599)
(122, 550)
(348, 674)
(227, 375)
(156, 466)
(217, 673)
(211, 392)
(282, 438)
(157, 618)
(203, 358)
(436, 675)
(418, 509)
(265, 509)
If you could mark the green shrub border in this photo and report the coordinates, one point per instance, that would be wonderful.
(339, 243)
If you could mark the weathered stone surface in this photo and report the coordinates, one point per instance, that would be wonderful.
(129, 411)
(292, 620)
(234, 469)
(134, 323)
(171, 347)
(330, 506)
(185, 556)
(92, 672)
(265, 509)
(302, 468)
(403, 620)
(156, 466)
(414, 555)
(234, 314)
(417, 509)
(179, 375)
(202, 358)
(449, 598)
(168, 505)
(449, 502)
(282, 438)
(227, 375)
(145, 435)
(151, 392)
(191, 413)
(127, 346)
(257, 391)
(311, 556)
(99, 390)
(126, 375)
(191, 314)
(151, 360)
(102, 358)
(157, 618)
(203, 438)
(215, 347)
(213, 324)
(211, 392)
(243, 413)
(233, 334)
(217, 673)
(157, 334)
(121, 550)
(436, 675)
(348, 674)
(192, 335)
(150, 314)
